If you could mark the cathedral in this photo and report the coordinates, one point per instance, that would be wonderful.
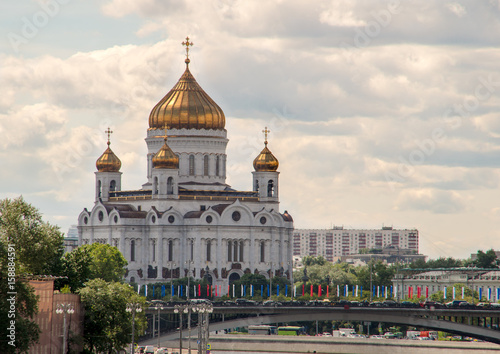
(185, 220)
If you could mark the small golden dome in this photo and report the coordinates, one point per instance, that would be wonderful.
(187, 106)
(108, 162)
(165, 158)
(266, 161)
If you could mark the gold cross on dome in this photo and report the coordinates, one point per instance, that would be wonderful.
(266, 131)
(109, 132)
(188, 44)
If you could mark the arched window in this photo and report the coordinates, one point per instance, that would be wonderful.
(154, 251)
(217, 165)
(170, 185)
(170, 251)
(262, 252)
(132, 251)
(229, 251)
(235, 251)
(112, 186)
(192, 250)
(99, 189)
(270, 188)
(241, 251)
(155, 185)
(256, 186)
(191, 165)
(205, 165)
(209, 251)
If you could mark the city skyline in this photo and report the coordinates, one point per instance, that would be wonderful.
(381, 113)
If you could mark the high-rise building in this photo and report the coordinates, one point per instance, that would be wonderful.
(337, 242)
(185, 219)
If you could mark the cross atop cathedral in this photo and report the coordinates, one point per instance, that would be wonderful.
(266, 131)
(188, 44)
(109, 132)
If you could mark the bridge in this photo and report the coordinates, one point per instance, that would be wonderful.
(478, 323)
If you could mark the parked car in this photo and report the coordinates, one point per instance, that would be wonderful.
(455, 303)
(246, 302)
(431, 304)
(271, 303)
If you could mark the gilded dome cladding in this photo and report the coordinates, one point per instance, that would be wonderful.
(108, 162)
(187, 106)
(165, 158)
(266, 161)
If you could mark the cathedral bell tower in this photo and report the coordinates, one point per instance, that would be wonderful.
(266, 176)
(108, 177)
(165, 172)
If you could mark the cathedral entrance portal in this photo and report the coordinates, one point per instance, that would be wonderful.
(234, 277)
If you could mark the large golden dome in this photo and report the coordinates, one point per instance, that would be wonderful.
(187, 106)
(108, 162)
(165, 158)
(266, 161)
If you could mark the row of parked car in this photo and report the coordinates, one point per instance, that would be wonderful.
(341, 303)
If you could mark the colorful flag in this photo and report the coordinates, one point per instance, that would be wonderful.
(138, 289)
(277, 289)
(444, 293)
(453, 293)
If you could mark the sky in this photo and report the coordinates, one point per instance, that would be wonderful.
(382, 113)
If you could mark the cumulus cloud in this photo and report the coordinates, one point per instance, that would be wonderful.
(354, 101)
(439, 202)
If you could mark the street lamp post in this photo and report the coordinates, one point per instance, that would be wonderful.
(134, 308)
(292, 285)
(271, 281)
(189, 307)
(180, 310)
(172, 264)
(204, 311)
(158, 308)
(64, 309)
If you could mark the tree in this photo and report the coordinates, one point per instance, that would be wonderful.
(38, 245)
(107, 324)
(486, 260)
(107, 262)
(77, 267)
(16, 310)
(28, 245)
(310, 260)
(93, 261)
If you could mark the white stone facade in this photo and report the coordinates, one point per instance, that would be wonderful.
(187, 219)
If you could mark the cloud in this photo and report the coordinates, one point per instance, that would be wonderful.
(439, 202)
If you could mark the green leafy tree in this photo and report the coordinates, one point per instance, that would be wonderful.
(437, 263)
(310, 260)
(486, 259)
(381, 274)
(38, 245)
(26, 331)
(28, 245)
(90, 262)
(77, 267)
(107, 262)
(107, 324)
(251, 279)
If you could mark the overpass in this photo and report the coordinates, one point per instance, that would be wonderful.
(478, 323)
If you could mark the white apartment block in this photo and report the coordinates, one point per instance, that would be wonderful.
(337, 242)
